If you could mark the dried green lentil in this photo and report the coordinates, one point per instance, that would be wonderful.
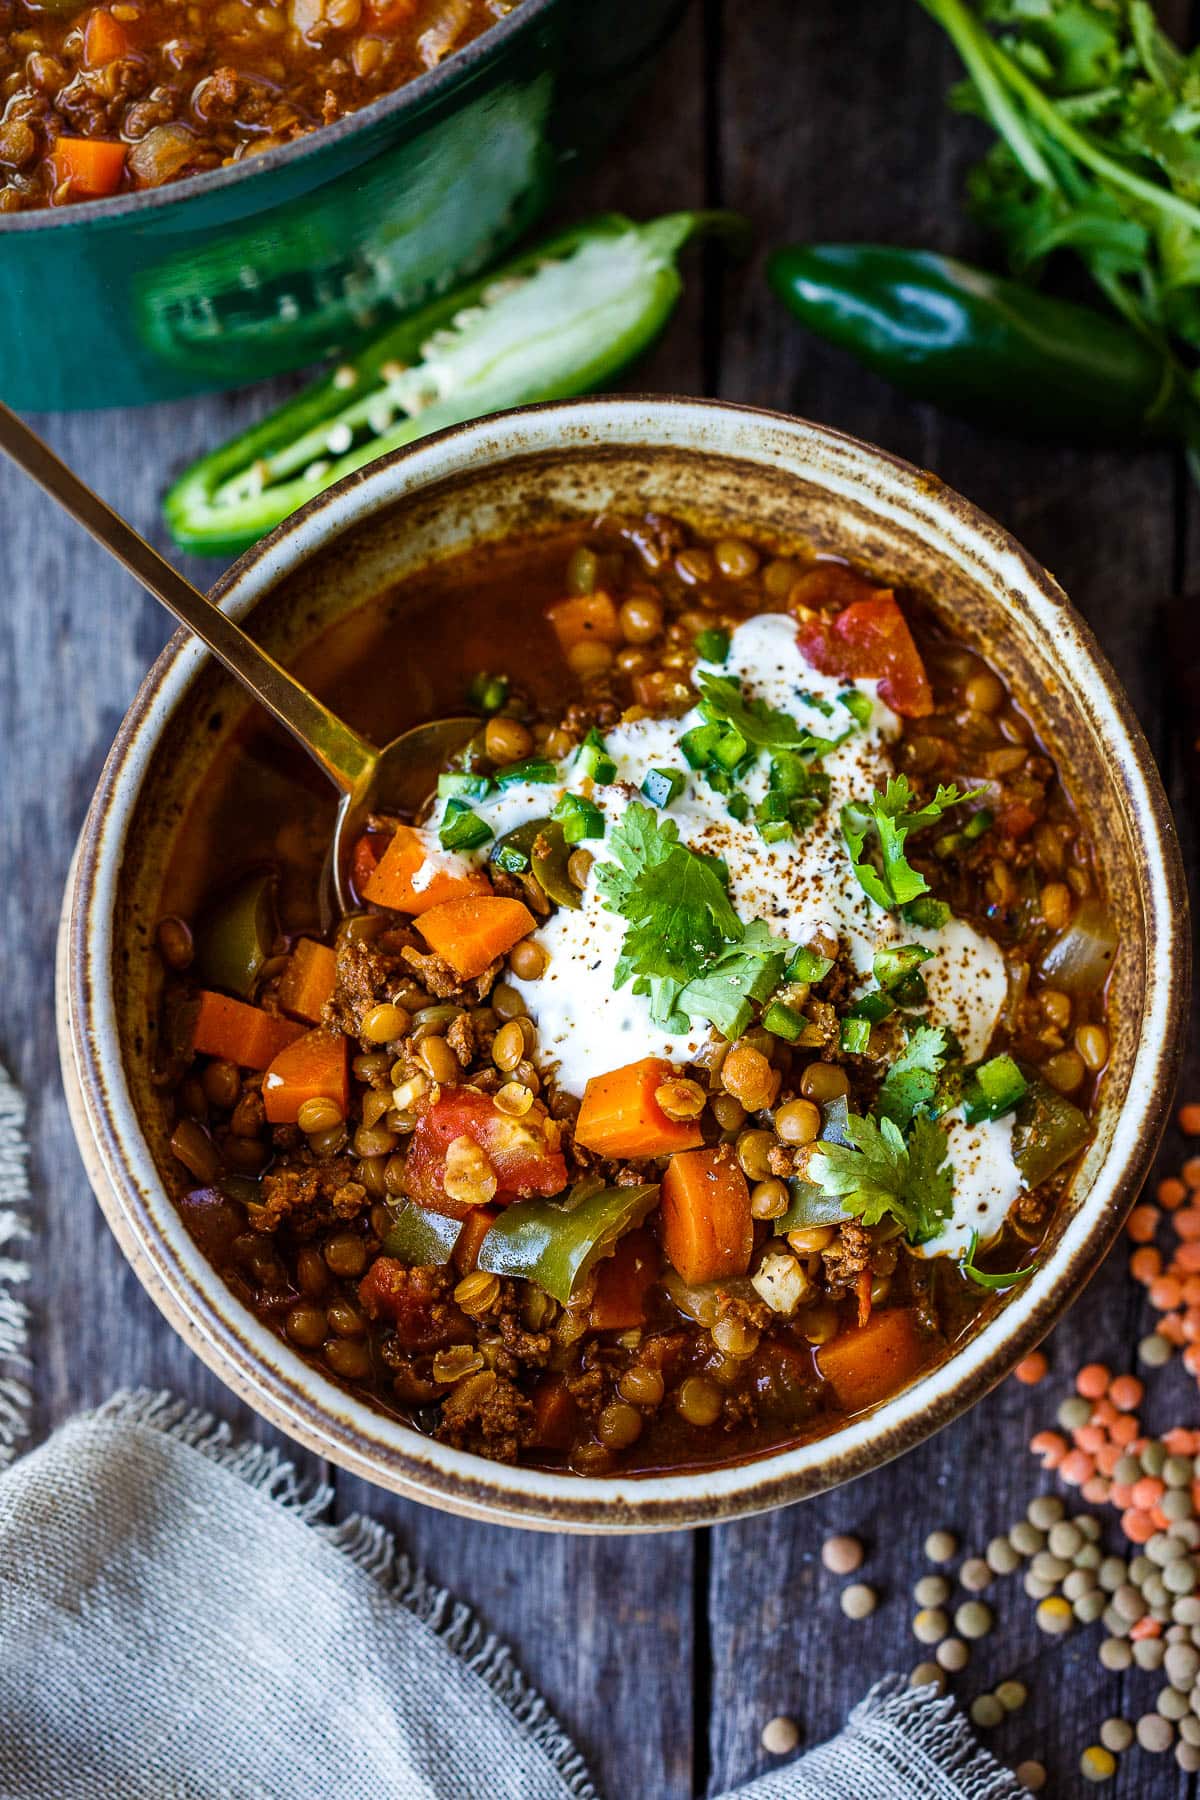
(1154, 1733)
(1097, 1763)
(1116, 1734)
(858, 1601)
(975, 1575)
(1044, 1511)
(1155, 1350)
(953, 1654)
(1001, 1557)
(931, 1590)
(930, 1625)
(1054, 1615)
(1115, 1654)
(926, 1672)
(1025, 1538)
(1012, 1695)
(986, 1711)
(941, 1546)
(973, 1619)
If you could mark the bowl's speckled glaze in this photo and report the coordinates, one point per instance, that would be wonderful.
(525, 470)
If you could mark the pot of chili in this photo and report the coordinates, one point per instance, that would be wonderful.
(228, 192)
(741, 1061)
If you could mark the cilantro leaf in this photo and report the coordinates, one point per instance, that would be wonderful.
(675, 902)
(749, 970)
(763, 727)
(879, 1175)
(884, 823)
(911, 1082)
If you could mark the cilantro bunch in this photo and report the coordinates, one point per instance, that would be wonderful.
(1098, 120)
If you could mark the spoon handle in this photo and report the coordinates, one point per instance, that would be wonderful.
(342, 753)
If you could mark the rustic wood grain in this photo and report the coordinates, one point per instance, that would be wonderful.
(663, 1656)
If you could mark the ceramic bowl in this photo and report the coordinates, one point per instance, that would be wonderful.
(708, 463)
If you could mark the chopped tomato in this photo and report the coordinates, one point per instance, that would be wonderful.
(870, 640)
(523, 1152)
(411, 1300)
(829, 585)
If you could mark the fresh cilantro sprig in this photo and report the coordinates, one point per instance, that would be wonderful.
(882, 826)
(911, 1082)
(684, 946)
(878, 1174)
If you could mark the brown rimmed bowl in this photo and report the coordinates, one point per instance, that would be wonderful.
(528, 470)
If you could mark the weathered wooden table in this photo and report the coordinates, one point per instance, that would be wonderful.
(665, 1656)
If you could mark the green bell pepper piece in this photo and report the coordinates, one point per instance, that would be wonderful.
(993, 1089)
(557, 1243)
(234, 937)
(988, 349)
(1048, 1131)
(421, 1238)
(560, 320)
(811, 1205)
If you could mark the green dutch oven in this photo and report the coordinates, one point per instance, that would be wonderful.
(272, 262)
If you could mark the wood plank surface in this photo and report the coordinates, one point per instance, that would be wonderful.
(663, 1656)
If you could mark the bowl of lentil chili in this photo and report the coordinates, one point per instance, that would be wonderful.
(744, 1058)
(228, 191)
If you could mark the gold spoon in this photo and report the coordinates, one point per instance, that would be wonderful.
(398, 778)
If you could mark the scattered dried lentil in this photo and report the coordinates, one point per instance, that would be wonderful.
(1054, 1615)
(953, 1654)
(1097, 1763)
(941, 1546)
(925, 1673)
(975, 1575)
(986, 1711)
(973, 1619)
(931, 1590)
(780, 1736)
(1031, 1775)
(1116, 1735)
(858, 1601)
(842, 1555)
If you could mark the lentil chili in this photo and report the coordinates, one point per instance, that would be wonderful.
(100, 100)
(461, 1203)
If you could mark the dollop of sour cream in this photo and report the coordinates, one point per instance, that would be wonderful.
(803, 888)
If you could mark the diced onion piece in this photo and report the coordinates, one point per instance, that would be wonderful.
(1079, 959)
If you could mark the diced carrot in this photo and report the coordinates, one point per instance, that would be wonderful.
(707, 1228)
(620, 1116)
(241, 1034)
(315, 1067)
(92, 166)
(391, 882)
(309, 979)
(555, 1415)
(583, 617)
(470, 934)
(475, 1227)
(104, 39)
(623, 1281)
(862, 1293)
(867, 1363)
